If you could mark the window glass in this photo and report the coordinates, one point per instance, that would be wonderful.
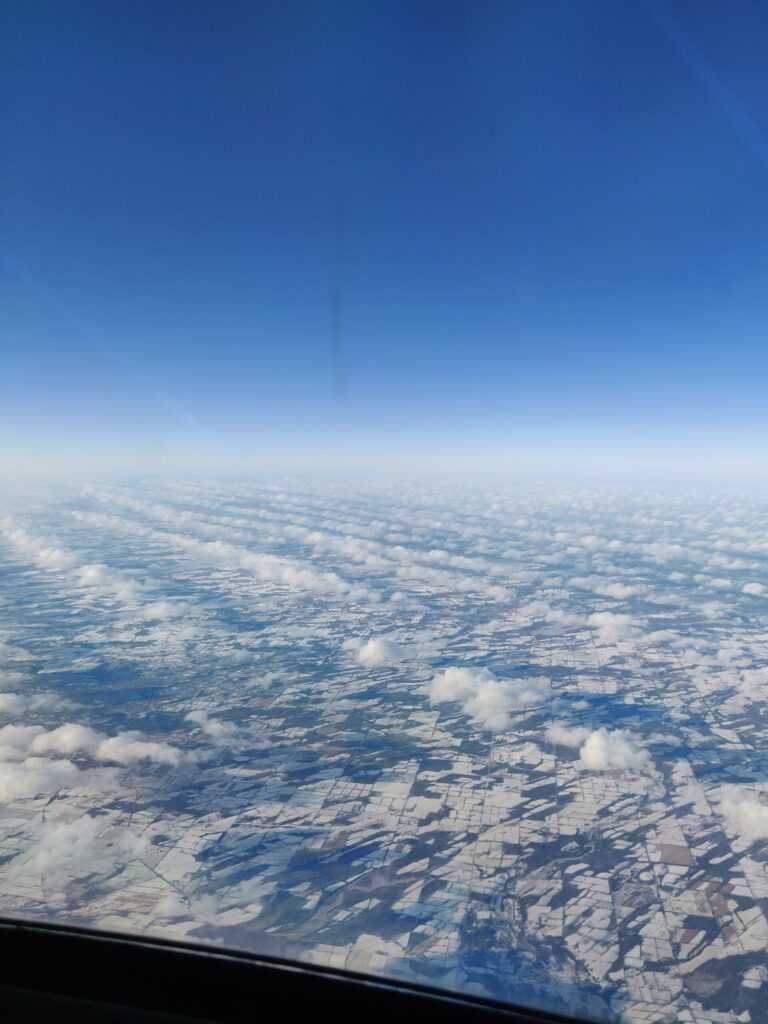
(383, 545)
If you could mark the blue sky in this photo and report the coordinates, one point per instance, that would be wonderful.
(511, 235)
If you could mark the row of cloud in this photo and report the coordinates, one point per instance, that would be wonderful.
(654, 524)
(611, 627)
(286, 572)
(36, 760)
(125, 589)
(330, 536)
(404, 563)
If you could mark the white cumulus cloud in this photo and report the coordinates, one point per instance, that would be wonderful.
(565, 735)
(125, 748)
(612, 628)
(745, 813)
(33, 776)
(488, 701)
(605, 750)
(86, 845)
(213, 728)
(755, 588)
(379, 651)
